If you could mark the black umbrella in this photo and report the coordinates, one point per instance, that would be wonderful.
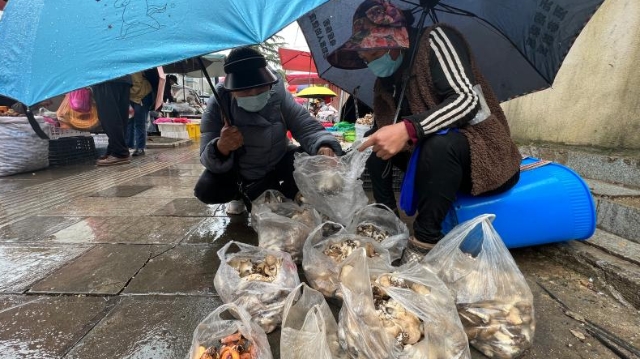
(518, 45)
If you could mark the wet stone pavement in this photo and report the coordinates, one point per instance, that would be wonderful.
(119, 263)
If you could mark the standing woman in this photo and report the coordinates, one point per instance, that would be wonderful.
(140, 98)
(460, 145)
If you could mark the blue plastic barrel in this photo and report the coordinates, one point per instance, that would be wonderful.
(549, 204)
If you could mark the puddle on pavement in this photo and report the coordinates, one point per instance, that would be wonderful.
(121, 191)
(187, 207)
(35, 228)
(22, 266)
(220, 230)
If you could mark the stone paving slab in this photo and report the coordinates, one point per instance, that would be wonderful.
(167, 192)
(35, 228)
(9, 184)
(189, 182)
(177, 172)
(619, 219)
(600, 188)
(121, 191)
(188, 207)
(104, 270)
(184, 269)
(188, 165)
(155, 327)
(131, 230)
(46, 327)
(216, 230)
(619, 247)
(107, 206)
(22, 265)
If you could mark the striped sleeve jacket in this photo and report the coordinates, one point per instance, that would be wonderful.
(453, 79)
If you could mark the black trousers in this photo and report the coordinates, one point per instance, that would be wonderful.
(444, 169)
(214, 188)
(112, 101)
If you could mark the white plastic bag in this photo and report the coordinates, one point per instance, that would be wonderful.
(380, 223)
(238, 280)
(216, 327)
(404, 312)
(325, 250)
(494, 301)
(331, 184)
(309, 329)
(282, 224)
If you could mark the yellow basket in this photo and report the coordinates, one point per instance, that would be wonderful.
(194, 130)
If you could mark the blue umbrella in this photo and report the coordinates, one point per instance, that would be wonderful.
(518, 45)
(53, 47)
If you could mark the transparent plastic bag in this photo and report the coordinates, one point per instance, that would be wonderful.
(380, 223)
(257, 279)
(216, 327)
(404, 312)
(309, 329)
(494, 302)
(331, 184)
(282, 224)
(326, 249)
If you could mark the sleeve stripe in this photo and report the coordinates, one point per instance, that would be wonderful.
(454, 72)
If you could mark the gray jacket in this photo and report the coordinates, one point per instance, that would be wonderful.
(264, 133)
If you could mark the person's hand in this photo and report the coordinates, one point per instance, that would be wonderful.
(230, 140)
(387, 141)
(326, 151)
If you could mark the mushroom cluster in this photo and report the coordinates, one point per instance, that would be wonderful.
(262, 270)
(499, 328)
(366, 120)
(234, 346)
(339, 251)
(368, 229)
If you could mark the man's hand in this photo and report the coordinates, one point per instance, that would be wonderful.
(230, 140)
(387, 141)
(326, 151)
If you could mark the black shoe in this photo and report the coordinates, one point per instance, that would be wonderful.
(138, 152)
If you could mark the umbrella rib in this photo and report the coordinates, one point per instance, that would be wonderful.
(452, 10)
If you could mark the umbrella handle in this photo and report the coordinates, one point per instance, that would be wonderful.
(223, 110)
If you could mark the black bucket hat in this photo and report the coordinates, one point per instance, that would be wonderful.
(246, 68)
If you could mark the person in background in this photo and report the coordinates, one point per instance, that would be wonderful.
(140, 98)
(348, 111)
(168, 96)
(461, 146)
(112, 102)
(251, 153)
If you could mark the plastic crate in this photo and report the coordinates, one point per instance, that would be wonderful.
(71, 150)
(57, 132)
(194, 130)
(173, 130)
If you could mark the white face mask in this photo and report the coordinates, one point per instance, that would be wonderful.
(254, 103)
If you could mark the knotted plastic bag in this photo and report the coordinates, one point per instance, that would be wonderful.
(257, 279)
(404, 312)
(282, 224)
(493, 299)
(219, 334)
(80, 100)
(380, 223)
(309, 329)
(331, 184)
(326, 249)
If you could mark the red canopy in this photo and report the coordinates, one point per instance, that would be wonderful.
(296, 60)
(305, 78)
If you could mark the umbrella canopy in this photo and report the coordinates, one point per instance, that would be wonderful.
(52, 47)
(519, 48)
(214, 63)
(296, 60)
(304, 78)
(316, 92)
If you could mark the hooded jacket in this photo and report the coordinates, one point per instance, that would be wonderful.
(264, 133)
(440, 96)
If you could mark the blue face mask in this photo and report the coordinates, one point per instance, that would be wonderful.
(385, 66)
(254, 103)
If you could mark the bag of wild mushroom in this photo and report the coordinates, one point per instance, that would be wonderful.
(257, 279)
(378, 221)
(391, 312)
(282, 224)
(494, 301)
(331, 184)
(326, 249)
(309, 329)
(217, 336)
